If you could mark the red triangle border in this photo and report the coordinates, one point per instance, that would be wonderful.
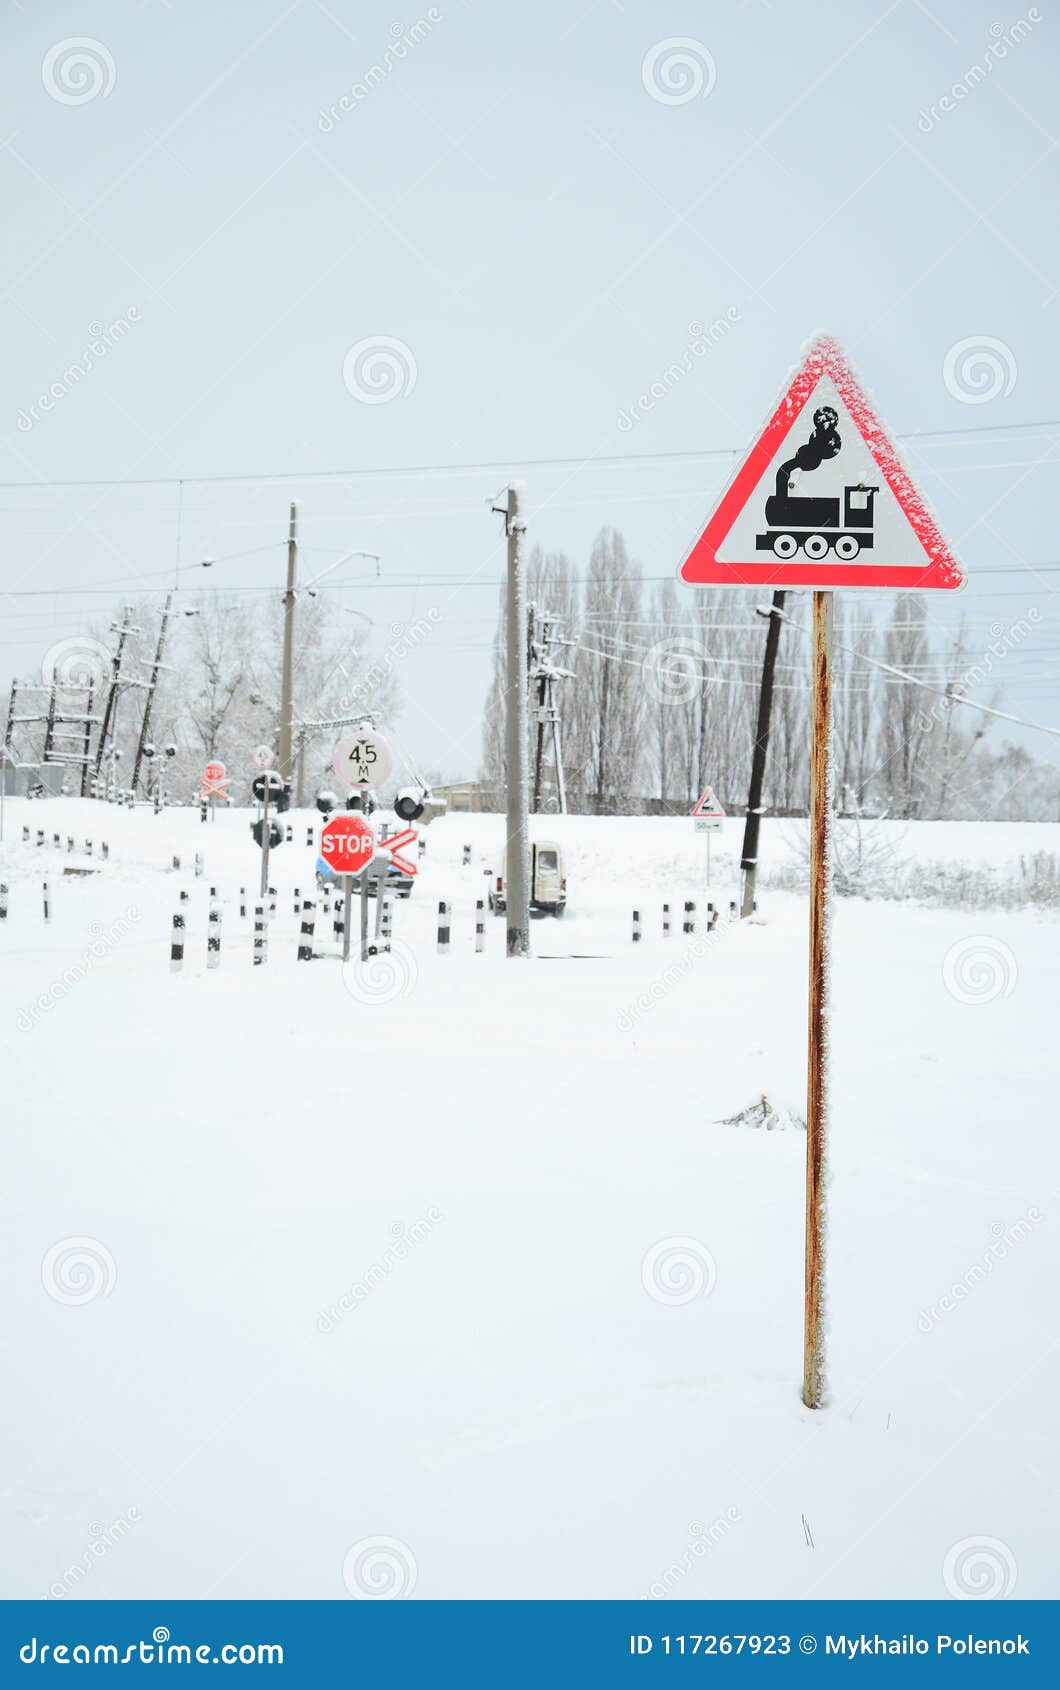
(701, 566)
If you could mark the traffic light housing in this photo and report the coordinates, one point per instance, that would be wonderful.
(276, 834)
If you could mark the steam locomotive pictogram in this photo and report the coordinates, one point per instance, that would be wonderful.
(815, 524)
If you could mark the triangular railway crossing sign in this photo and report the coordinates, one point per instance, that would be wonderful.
(822, 499)
(707, 805)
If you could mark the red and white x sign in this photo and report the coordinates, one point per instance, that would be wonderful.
(399, 842)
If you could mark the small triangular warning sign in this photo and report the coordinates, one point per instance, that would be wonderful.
(707, 804)
(822, 499)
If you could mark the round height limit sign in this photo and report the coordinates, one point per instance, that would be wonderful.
(362, 759)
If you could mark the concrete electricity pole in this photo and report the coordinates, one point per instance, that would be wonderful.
(516, 733)
(283, 759)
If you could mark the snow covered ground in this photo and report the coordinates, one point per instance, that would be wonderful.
(451, 1281)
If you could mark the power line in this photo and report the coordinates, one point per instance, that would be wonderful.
(497, 464)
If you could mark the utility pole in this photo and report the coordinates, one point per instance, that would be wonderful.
(516, 733)
(283, 759)
(112, 696)
(749, 860)
(151, 685)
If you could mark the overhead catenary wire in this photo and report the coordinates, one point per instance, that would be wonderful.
(587, 460)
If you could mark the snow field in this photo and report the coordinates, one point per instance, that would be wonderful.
(458, 1253)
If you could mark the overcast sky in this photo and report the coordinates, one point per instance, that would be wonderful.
(534, 212)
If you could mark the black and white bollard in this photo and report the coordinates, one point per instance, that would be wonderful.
(466, 857)
(242, 903)
(25, 836)
(305, 945)
(386, 926)
(261, 943)
(213, 942)
(272, 903)
(421, 846)
(732, 909)
(104, 851)
(3, 903)
(636, 927)
(185, 895)
(176, 862)
(289, 836)
(480, 924)
(176, 944)
(213, 894)
(338, 925)
(309, 835)
(297, 901)
(689, 923)
(204, 809)
(198, 865)
(69, 842)
(47, 902)
(55, 841)
(40, 836)
(666, 921)
(443, 927)
(88, 847)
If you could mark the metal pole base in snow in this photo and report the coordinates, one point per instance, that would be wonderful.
(443, 928)
(813, 1375)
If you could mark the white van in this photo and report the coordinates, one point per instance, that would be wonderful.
(548, 881)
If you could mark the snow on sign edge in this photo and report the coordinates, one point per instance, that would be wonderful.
(700, 566)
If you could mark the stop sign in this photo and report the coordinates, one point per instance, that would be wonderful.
(347, 843)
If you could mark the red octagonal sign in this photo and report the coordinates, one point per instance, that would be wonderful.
(347, 843)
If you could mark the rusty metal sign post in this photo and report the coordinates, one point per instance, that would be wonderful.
(859, 523)
(821, 805)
